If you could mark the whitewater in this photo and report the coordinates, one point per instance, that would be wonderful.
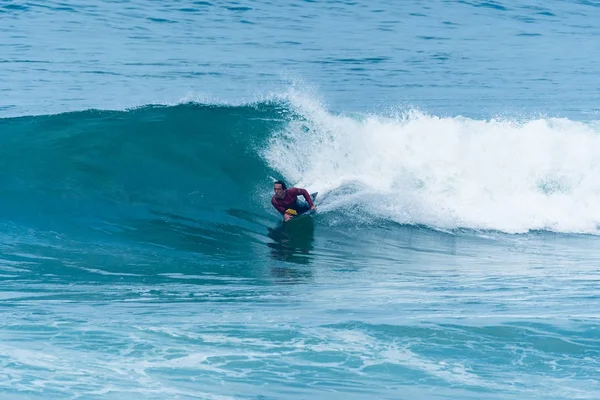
(508, 175)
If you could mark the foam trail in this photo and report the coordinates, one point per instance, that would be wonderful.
(507, 175)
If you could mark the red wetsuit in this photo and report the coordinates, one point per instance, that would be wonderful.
(289, 200)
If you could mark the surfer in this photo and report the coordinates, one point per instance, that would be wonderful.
(286, 200)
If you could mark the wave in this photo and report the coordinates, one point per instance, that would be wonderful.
(204, 162)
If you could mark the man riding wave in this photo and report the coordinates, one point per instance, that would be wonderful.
(286, 200)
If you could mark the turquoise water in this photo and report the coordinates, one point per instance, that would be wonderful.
(454, 148)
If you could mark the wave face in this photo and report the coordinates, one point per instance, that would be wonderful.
(199, 161)
(186, 159)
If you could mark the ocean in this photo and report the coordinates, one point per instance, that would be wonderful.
(454, 146)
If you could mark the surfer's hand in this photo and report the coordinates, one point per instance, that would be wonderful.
(287, 217)
(313, 208)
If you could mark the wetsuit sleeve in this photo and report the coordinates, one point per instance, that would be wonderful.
(279, 208)
(304, 193)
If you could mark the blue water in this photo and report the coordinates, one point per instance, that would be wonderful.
(454, 146)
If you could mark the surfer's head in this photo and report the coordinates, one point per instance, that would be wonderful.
(279, 188)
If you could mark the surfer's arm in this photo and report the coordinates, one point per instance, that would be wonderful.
(304, 193)
(279, 208)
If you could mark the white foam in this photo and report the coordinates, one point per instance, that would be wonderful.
(506, 175)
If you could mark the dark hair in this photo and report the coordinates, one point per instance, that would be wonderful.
(283, 186)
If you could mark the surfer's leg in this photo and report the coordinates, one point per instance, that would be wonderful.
(301, 206)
